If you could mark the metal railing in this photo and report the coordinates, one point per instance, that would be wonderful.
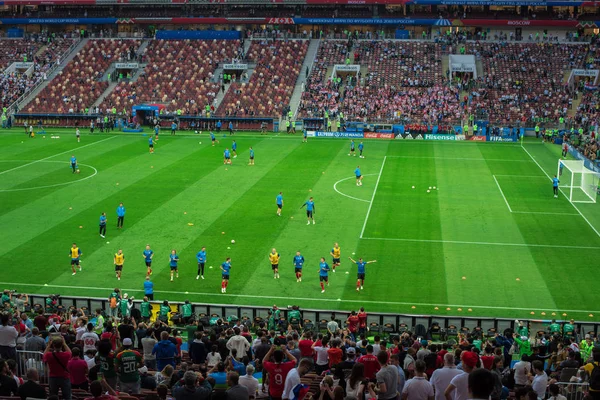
(32, 359)
(397, 322)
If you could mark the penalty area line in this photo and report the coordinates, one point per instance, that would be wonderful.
(552, 246)
(401, 303)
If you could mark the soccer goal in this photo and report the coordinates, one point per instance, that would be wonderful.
(580, 181)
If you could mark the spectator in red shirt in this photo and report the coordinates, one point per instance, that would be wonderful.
(40, 322)
(57, 356)
(278, 370)
(305, 345)
(334, 352)
(352, 323)
(362, 321)
(370, 362)
(487, 359)
(79, 369)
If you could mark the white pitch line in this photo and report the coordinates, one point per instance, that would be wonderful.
(12, 284)
(543, 213)
(563, 193)
(372, 198)
(347, 195)
(56, 155)
(521, 176)
(502, 193)
(459, 158)
(486, 243)
(56, 184)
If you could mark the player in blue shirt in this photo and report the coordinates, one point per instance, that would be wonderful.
(310, 210)
(218, 126)
(201, 257)
(151, 144)
(361, 146)
(352, 153)
(323, 274)
(148, 254)
(213, 138)
(298, 263)
(173, 128)
(231, 132)
(560, 167)
(120, 215)
(226, 157)
(74, 164)
(304, 136)
(555, 183)
(234, 149)
(173, 259)
(360, 279)
(156, 131)
(225, 267)
(359, 177)
(103, 225)
(251, 162)
(279, 201)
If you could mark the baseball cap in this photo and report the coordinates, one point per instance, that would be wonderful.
(351, 350)
(469, 358)
(127, 342)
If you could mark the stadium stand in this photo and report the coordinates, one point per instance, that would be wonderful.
(79, 84)
(272, 82)
(179, 75)
(14, 85)
(180, 350)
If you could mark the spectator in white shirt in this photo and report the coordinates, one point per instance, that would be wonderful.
(8, 339)
(293, 378)
(249, 381)
(239, 343)
(458, 389)
(540, 380)
(418, 388)
(522, 369)
(440, 379)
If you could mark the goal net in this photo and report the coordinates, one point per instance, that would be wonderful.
(578, 183)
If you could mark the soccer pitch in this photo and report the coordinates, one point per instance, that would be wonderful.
(490, 240)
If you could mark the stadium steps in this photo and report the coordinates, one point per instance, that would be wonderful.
(576, 102)
(32, 95)
(108, 91)
(445, 64)
(479, 67)
(309, 60)
(247, 44)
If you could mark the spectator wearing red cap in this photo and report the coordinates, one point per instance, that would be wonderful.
(458, 389)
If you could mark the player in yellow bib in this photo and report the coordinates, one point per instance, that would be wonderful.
(75, 253)
(336, 253)
(119, 260)
(274, 258)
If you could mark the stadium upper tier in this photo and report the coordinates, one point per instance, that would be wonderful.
(395, 81)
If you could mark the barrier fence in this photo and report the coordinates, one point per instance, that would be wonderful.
(384, 323)
(32, 359)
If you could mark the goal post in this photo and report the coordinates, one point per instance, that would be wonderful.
(579, 182)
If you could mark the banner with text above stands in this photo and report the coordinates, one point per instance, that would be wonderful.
(341, 135)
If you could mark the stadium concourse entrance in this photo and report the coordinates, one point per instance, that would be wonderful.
(345, 71)
(146, 114)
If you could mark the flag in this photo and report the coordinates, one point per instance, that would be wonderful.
(590, 87)
(299, 391)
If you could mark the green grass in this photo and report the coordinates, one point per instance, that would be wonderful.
(458, 247)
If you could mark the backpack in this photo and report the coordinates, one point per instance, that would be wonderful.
(595, 377)
(113, 302)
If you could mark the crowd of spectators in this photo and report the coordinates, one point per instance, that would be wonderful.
(124, 351)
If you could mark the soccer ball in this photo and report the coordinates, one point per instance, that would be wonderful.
(232, 241)
(196, 132)
(77, 171)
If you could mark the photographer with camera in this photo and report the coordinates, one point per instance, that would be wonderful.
(57, 356)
